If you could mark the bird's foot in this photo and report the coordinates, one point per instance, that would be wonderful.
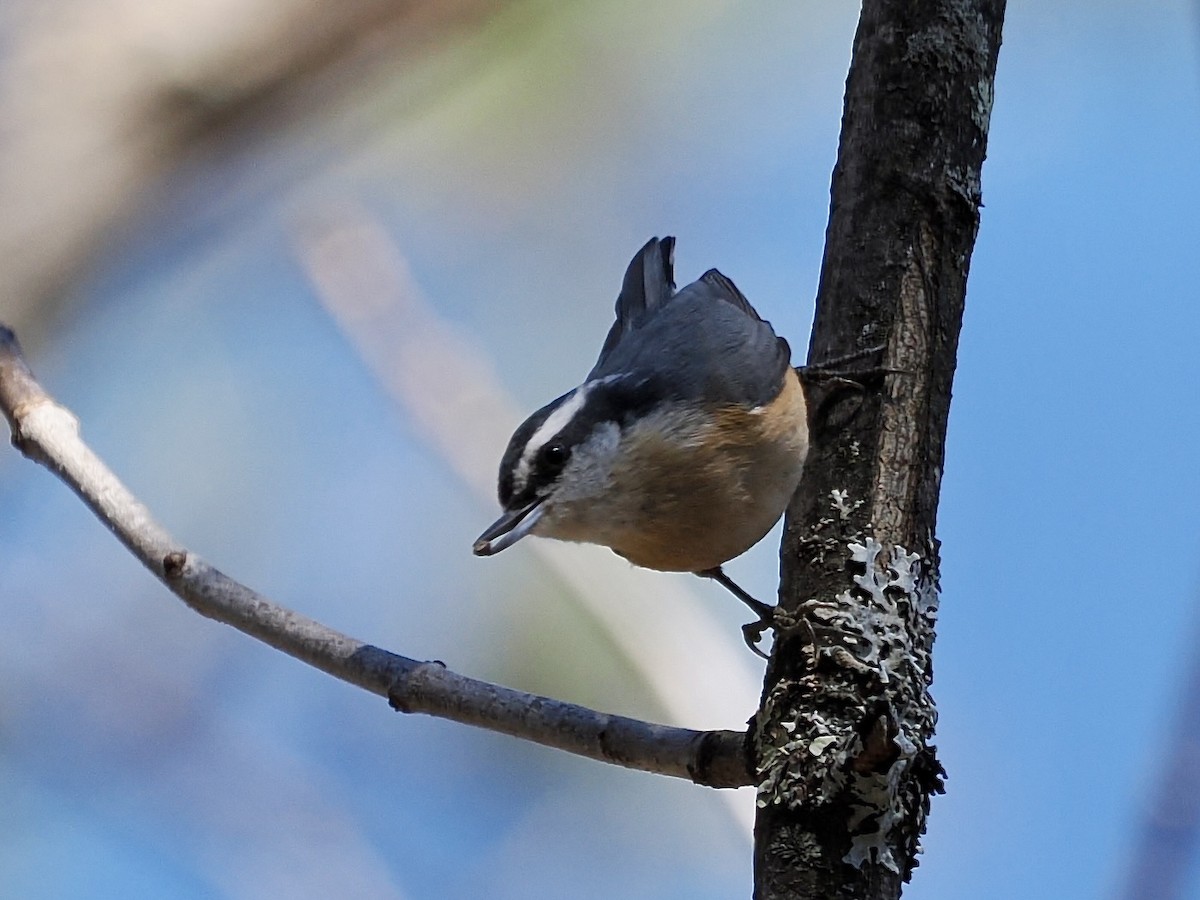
(753, 631)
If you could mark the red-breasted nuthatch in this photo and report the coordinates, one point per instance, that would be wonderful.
(683, 445)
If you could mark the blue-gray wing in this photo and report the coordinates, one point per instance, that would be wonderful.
(704, 343)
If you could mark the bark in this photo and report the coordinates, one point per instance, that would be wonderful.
(842, 740)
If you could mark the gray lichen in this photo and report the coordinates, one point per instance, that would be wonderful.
(853, 725)
(827, 535)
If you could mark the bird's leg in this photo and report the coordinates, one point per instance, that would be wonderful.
(717, 574)
(751, 632)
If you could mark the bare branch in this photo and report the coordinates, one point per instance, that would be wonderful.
(1169, 832)
(48, 433)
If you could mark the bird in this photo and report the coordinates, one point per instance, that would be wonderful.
(683, 445)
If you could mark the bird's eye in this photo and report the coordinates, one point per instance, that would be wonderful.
(554, 456)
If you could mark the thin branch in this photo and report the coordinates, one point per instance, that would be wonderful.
(48, 433)
(1170, 828)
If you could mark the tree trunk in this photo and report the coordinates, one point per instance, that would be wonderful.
(841, 741)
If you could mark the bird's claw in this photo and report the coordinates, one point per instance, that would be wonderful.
(752, 632)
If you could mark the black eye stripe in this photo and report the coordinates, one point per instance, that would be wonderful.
(554, 455)
(615, 399)
(512, 456)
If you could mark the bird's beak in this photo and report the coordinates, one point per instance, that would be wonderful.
(508, 529)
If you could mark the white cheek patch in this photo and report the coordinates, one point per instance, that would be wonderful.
(589, 473)
(554, 423)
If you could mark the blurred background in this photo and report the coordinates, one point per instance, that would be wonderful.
(299, 267)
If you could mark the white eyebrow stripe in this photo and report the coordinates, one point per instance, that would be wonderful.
(554, 423)
(558, 419)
